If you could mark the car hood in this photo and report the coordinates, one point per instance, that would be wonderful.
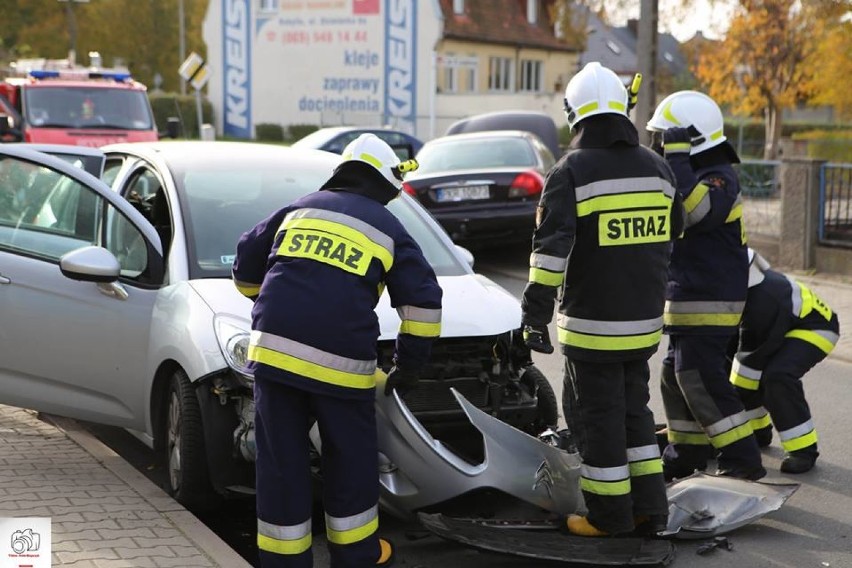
(472, 306)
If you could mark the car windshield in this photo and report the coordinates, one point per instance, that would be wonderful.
(475, 153)
(221, 203)
(87, 107)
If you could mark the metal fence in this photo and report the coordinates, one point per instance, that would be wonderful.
(835, 203)
(760, 190)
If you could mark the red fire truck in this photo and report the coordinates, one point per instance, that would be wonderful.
(51, 101)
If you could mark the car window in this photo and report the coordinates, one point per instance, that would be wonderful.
(111, 169)
(473, 153)
(45, 213)
(339, 143)
(546, 155)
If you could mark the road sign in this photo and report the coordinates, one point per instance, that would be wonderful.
(194, 70)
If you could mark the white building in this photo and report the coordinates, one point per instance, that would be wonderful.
(417, 65)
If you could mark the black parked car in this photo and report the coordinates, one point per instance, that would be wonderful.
(482, 187)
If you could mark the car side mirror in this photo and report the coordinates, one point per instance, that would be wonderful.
(8, 128)
(90, 264)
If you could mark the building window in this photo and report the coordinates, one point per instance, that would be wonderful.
(500, 74)
(532, 11)
(469, 85)
(458, 6)
(530, 75)
(450, 80)
(268, 5)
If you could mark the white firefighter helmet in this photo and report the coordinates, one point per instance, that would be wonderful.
(372, 150)
(594, 90)
(694, 111)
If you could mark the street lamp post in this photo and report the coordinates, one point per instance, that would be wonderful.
(72, 28)
(182, 42)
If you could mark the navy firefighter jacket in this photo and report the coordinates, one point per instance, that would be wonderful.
(316, 270)
(780, 308)
(708, 273)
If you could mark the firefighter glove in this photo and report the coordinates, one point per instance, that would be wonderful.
(537, 338)
(401, 380)
(677, 140)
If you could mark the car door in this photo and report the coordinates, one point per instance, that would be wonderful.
(70, 347)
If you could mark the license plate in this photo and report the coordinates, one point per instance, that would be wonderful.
(463, 193)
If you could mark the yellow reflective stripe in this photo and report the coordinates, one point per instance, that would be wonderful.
(420, 329)
(247, 290)
(362, 240)
(731, 436)
(698, 193)
(587, 108)
(646, 467)
(813, 338)
(310, 370)
(677, 147)
(701, 319)
(762, 422)
(621, 201)
(612, 488)
(608, 342)
(744, 382)
(269, 544)
(352, 535)
(736, 213)
(616, 105)
(693, 438)
(716, 135)
(546, 277)
(800, 442)
(667, 114)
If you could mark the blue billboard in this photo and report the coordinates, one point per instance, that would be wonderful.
(236, 63)
(400, 95)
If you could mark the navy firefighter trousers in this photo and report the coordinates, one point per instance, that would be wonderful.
(284, 483)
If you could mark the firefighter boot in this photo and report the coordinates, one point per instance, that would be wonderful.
(386, 555)
(581, 526)
(682, 460)
(800, 461)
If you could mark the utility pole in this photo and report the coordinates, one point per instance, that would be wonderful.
(72, 28)
(647, 62)
(182, 42)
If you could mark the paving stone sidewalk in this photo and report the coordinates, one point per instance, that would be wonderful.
(104, 513)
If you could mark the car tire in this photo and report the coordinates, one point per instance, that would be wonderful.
(186, 457)
(548, 405)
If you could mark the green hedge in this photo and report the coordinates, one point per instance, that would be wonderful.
(298, 131)
(183, 107)
(831, 145)
(269, 132)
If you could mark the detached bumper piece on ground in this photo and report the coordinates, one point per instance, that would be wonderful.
(552, 544)
(700, 506)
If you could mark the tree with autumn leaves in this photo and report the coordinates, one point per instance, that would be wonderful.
(776, 54)
(143, 35)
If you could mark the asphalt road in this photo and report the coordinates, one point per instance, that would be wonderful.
(813, 529)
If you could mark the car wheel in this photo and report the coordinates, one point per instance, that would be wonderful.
(186, 458)
(548, 406)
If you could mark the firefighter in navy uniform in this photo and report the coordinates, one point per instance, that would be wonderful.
(606, 219)
(785, 331)
(316, 270)
(707, 287)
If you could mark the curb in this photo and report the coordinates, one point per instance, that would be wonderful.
(206, 541)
